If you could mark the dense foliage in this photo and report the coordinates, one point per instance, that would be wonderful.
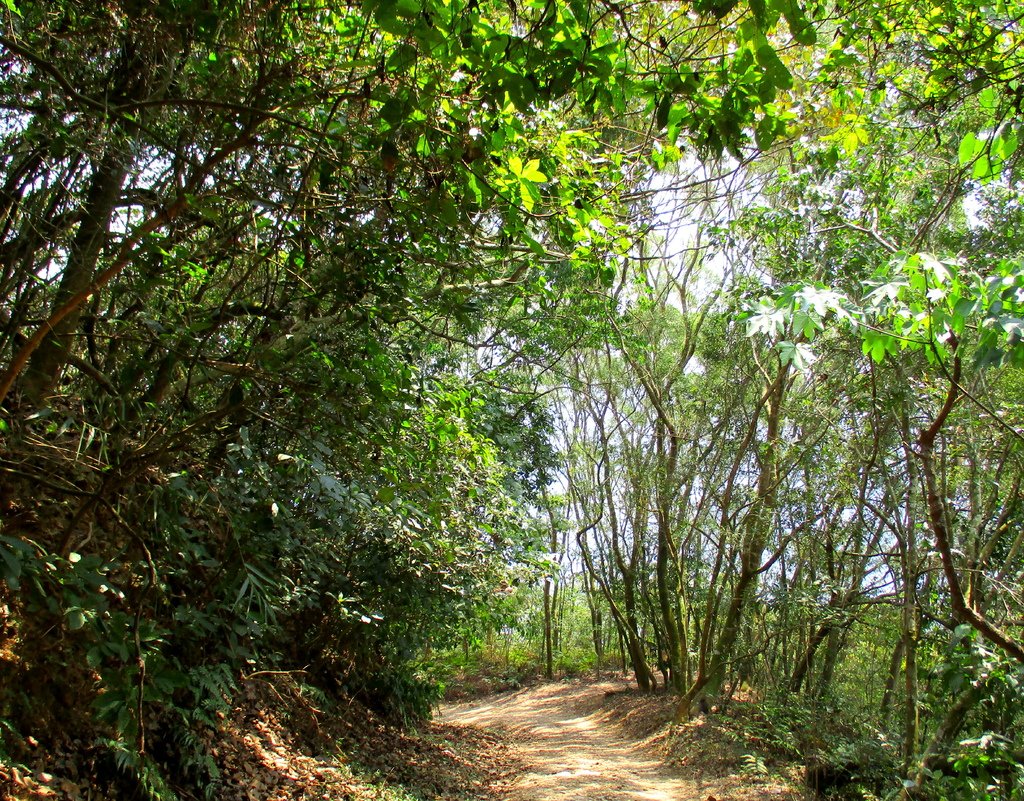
(326, 331)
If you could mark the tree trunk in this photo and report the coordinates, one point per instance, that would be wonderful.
(803, 667)
(944, 734)
(890, 683)
(911, 632)
(669, 619)
(596, 619)
(758, 526)
(836, 641)
(49, 358)
(626, 623)
(549, 655)
(937, 516)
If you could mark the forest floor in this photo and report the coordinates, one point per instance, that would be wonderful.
(602, 741)
(585, 740)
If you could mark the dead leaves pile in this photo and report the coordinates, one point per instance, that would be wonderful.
(276, 745)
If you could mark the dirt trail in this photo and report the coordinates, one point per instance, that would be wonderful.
(572, 750)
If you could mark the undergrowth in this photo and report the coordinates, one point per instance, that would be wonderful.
(842, 756)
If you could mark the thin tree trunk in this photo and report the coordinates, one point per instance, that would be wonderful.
(549, 645)
(549, 656)
(895, 662)
(758, 525)
(803, 667)
(911, 621)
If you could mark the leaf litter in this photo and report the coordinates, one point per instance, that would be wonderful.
(275, 745)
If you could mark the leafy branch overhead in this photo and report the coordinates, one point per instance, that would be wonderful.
(358, 341)
(919, 303)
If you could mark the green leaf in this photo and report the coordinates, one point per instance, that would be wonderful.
(12, 7)
(393, 111)
(760, 12)
(987, 99)
(774, 70)
(528, 194)
(765, 132)
(1005, 145)
(799, 354)
(678, 114)
(76, 619)
(878, 350)
(533, 244)
(389, 20)
(406, 8)
(886, 293)
(799, 26)
(661, 111)
(531, 172)
(939, 271)
(403, 58)
(718, 8)
(982, 169)
(874, 345)
(13, 567)
(970, 147)
(1014, 328)
(766, 319)
(475, 186)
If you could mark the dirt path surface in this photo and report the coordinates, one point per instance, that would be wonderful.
(572, 749)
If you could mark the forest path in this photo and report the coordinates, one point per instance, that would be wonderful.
(572, 749)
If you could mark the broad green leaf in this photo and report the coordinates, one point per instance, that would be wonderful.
(937, 268)
(766, 319)
(13, 567)
(1014, 327)
(475, 186)
(799, 26)
(406, 8)
(886, 293)
(774, 70)
(531, 172)
(878, 350)
(661, 111)
(799, 354)
(987, 99)
(970, 148)
(982, 168)
(529, 194)
(390, 21)
(765, 132)
(1005, 145)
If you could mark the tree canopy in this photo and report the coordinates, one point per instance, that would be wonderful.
(326, 330)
